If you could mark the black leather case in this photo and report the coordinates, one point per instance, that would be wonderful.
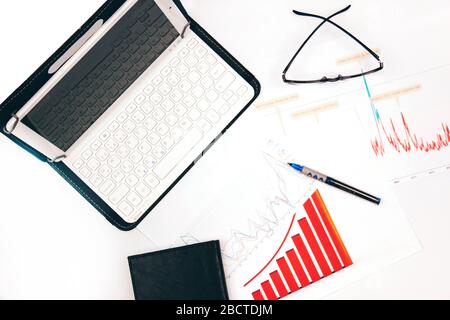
(41, 76)
(193, 272)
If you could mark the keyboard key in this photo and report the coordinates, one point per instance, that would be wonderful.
(224, 109)
(225, 82)
(117, 176)
(122, 117)
(147, 107)
(173, 79)
(212, 116)
(176, 134)
(200, 51)
(171, 119)
(123, 151)
(150, 162)
(153, 138)
(132, 142)
(107, 187)
(194, 114)
(182, 70)
(78, 164)
(105, 171)
(120, 136)
(207, 82)
(167, 142)
(135, 157)
(203, 105)
(211, 59)
(175, 62)
(176, 95)
(168, 105)
(87, 154)
(183, 53)
(194, 77)
(189, 100)
(131, 180)
(114, 162)
(198, 91)
(217, 71)
(165, 89)
(212, 95)
(152, 181)
(126, 209)
(166, 71)
(144, 148)
(185, 124)
(105, 135)
(233, 100)
(138, 117)
(204, 125)
(96, 145)
(157, 81)
(102, 154)
(162, 129)
(129, 126)
(191, 61)
(96, 180)
(242, 90)
(149, 123)
(158, 114)
(134, 199)
(85, 172)
(143, 190)
(178, 153)
(113, 126)
(141, 171)
(119, 194)
(93, 164)
(148, 89)
(180, 110)
(156, 98)
(111, 145)
(140, 98)
(159, 152)
(140, 133)
(185, 85)
(203, 67)
(132, 107)
(192, 44)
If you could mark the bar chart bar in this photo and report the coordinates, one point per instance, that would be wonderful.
(287, 274)
(268, 290)
(314, 245)
(257, 295)
(304, 254)
(279, 285)
(332, 230)
(298, 269)
(323, 237)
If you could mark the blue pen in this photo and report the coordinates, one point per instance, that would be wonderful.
(335, 183)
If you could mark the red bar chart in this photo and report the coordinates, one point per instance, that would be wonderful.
(314, 250)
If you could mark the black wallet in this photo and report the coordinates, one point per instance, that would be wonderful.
(193, 272)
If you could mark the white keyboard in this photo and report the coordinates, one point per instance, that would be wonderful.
(188, 100)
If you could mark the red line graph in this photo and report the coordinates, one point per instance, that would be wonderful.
(411, 141)
(408, 140)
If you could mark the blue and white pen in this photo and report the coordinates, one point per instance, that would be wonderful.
(335, 183)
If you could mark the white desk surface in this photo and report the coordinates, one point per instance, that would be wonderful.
(62, 248)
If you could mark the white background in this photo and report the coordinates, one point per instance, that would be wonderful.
(54, 245)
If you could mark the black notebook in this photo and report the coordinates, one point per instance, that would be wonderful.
(193, 272)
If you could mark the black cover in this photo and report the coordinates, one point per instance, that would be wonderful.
(192, 272)
(39, 78)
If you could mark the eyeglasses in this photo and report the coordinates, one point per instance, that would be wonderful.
(325, 78)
